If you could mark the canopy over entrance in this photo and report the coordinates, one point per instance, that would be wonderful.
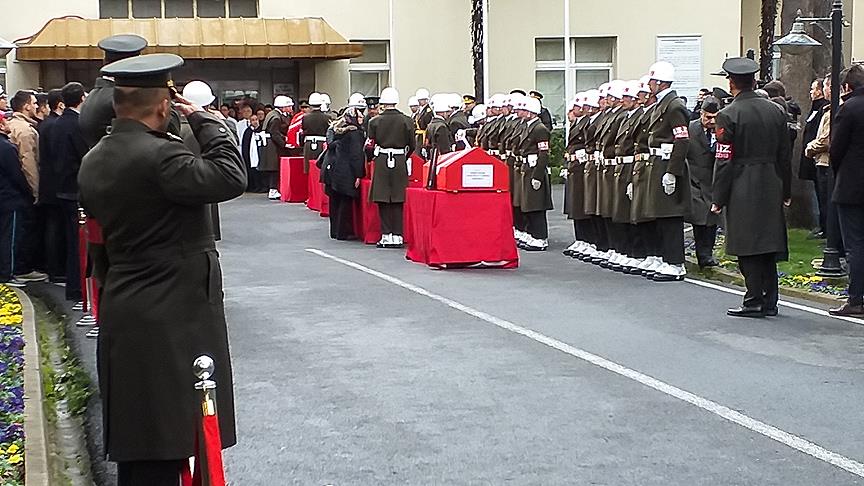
(75, 38)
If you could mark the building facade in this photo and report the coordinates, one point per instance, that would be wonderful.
(555, 46)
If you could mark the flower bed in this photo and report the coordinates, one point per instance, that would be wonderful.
(11, 389)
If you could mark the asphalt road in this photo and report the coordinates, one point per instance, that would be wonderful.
(556, 373)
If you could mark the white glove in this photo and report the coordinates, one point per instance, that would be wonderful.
(564, 173)
(630, 191)
(535, 184)
(408, 164)
(668, 184)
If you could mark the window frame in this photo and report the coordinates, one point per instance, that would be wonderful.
(162, 8)
(383, 69)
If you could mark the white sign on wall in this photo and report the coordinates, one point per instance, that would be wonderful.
(685, 53)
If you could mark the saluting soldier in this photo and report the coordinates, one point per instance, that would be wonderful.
(700, 158)
(536, 190)
(752, 183)
(393, 135)
(669, 139)
(162, 304)
(625, 152)
(313, 130)
(421, 122)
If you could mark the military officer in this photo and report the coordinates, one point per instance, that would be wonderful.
(393, 135)
(536, 197)
(625, 152)
(314, 130)
(151, 194)
(421, 121)
(752, 183)
(669, 189)
(469, 102)
(700, 159)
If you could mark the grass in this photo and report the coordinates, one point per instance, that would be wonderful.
(802, 252)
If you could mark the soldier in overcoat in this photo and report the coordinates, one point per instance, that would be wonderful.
(533, 149)
(752, 184)
(162, 303)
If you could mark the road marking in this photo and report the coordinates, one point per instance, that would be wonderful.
(785, 438)
(791, 305)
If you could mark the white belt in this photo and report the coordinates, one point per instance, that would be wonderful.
(660, 153)
(316, 138)
(390, 151)
(608, 161)
(626, 159)
(493, 152)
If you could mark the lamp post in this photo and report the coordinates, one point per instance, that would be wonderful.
(796, 42)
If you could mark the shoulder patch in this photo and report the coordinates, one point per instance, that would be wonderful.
(681, 132)
(543, 145)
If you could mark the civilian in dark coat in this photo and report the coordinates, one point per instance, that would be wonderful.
(345, 165)
(68, 147)
(49, 206)
(847, 160)
(807, 169)
(15, 196)
(700, 159)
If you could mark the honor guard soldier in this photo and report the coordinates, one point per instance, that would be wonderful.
(414, 106)
(639, 189)
(606, 189)
(668, 140)
(536, 189)
(393, 135)
(314, 130)
(458, 121)
(150, 192)
(625, 152)
(573, 185)
(752, 183)
(487, 138)
(591, 176)
(439, 138)
(510, 134)
(477, 121)
(700, 158)
(421, 121)
(583, 161)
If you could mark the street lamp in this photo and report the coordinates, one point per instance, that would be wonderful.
(796, 42)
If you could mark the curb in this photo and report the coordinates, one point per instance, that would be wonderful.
(35, 440)
(717, 274)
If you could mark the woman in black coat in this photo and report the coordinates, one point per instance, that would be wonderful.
(344, 166)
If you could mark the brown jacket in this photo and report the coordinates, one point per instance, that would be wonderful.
(819, 148)
(22, 133)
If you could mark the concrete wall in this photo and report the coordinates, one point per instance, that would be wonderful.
(857, 32)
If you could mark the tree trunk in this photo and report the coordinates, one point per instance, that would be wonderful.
(477, 53)
(766, 38)
(797, 72)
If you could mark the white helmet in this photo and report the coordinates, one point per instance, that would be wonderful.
(197, 92)
(412, 101)
(357, 100)
(533, 105)
(455, 100)
(315, 99)
(499, 100)
(477, 114)
(616, 89)
(592, 98)
(643, 84)
(422, 94)
(440, 103)
(282, 101)
(662, 71)
(631, 89)
(517, 101)
(603, 90)
(389, 96)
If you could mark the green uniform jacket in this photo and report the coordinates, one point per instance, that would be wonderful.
(752, 175)
(606, 179)
(590, 174)
(391, 130)
(625, 146)
(641, 170)
(534, 148)
(669, 125)
(162, 301)
(573, 199)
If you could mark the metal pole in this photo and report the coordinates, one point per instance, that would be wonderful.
(487, 90)
(392, 45)
(833, 246)
(567, 75)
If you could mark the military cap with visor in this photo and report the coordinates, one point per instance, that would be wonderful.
(147, 71)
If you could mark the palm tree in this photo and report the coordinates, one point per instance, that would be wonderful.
(477, 53)
(766, 38)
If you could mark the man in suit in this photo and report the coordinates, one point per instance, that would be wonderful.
(151, 195)
(847, 159)
(68, 147)
(752, 183)
(55, 244)
(807, 170)
(700, 159)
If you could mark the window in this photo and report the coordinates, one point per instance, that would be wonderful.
(591, 63)
(370, 73)
(148, 9)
